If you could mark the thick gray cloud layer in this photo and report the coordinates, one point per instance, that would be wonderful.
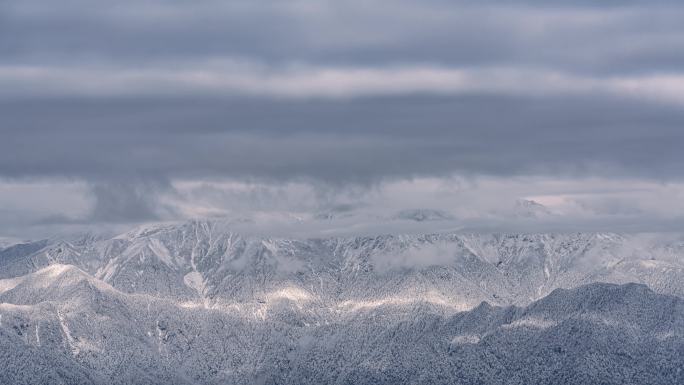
(132, 95)
(605, 36)
(352, 140)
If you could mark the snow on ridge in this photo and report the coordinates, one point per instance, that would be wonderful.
(285, 339)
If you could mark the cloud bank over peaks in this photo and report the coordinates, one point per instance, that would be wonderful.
(306, 209)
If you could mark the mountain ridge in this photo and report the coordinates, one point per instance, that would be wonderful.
(204, 260)
(195, 303)
(637, 334)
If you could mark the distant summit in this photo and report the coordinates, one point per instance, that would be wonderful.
(526, 208)
(421, 215)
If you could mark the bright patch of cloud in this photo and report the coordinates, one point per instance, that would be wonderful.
(235, 78)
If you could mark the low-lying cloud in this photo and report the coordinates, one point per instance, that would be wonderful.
(415, 257)
(307, 209)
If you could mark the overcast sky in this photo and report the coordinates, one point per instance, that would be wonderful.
(124, 112)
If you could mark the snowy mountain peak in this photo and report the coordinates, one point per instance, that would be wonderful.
(202, 304)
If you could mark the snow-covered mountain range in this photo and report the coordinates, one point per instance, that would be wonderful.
(194, 303)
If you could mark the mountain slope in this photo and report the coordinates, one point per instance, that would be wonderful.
(206, 262)
(614, 334)
(194, 303)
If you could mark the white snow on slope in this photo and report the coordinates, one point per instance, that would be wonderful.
(192, 303)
